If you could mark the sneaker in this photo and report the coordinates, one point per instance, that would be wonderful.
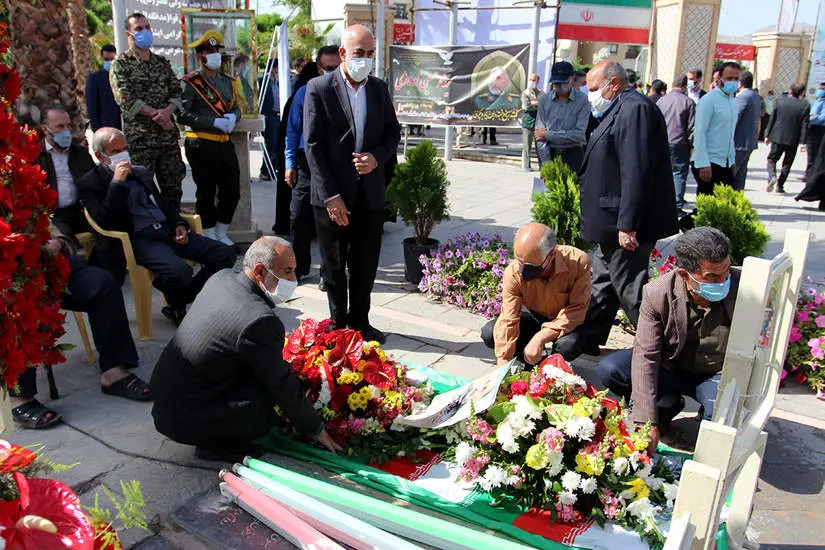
(771, 185)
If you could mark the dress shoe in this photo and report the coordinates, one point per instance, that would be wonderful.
(174, 315)
(780, 190)
(370, 333)
(668, 407)
(322, 286)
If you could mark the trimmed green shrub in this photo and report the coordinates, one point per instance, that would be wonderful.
(731, 213)
(418, 190)
(559, 206)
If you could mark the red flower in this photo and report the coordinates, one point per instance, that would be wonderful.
(379, 373)
(556, 360)
(14, 457)
(519, 387)
(339, 397)
(655, 254)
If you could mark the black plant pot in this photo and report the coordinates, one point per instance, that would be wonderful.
(413, 270)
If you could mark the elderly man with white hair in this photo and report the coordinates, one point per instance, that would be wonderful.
(121, 196)
(218, 381)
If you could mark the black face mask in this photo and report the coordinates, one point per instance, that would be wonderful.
(531, 272)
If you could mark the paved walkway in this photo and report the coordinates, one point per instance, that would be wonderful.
(111, 439)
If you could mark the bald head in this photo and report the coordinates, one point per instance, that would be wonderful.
(103, 139)
(606, 73)
(533, 243)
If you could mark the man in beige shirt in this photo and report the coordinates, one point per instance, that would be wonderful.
(545, 295)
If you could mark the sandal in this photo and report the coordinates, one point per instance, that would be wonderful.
(131, 387)
(30, 415)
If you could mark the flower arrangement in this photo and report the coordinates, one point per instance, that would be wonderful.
(31, 282)
(555, 443)
(467, 271)
(359, 391)
(37, 513)
(806, 345)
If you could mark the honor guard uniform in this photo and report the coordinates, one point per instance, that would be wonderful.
(210, 110)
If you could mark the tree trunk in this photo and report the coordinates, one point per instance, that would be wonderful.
(81, 50)
(41, 46)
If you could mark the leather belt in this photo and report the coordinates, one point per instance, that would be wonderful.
(205, 135)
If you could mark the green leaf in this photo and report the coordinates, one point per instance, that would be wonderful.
(497, 413)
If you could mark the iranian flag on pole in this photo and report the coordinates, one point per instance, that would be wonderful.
(620, 21)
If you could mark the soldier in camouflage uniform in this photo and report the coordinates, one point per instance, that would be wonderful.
(210, 111)
(149, 94)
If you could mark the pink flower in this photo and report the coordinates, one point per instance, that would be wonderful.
(519, 387)
(553, 439)
(480, 430)
(802, 316)
(566, 513)
(819, 299)
(818, 352)
(473, 466)
(611, 511)
(820, 321)
(814, 342)
(355, 425)
(820, 395)
(795, 336)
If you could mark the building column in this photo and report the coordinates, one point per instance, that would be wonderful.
(683, 37)
(781, 60)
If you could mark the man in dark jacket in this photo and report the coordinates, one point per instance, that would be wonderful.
(123, 197)
(745, 137)
(101, 106)
(787, 128)
(350, 135)
(218, 381)
(627, 197)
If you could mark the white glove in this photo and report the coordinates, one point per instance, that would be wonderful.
(229, 117)
(224, 125)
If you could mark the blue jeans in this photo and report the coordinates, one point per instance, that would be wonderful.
(680, 165)
(614, 372)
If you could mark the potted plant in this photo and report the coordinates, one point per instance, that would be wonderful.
(558, 207)
(418, 192)
(731, 213)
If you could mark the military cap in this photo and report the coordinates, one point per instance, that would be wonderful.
(210, 39)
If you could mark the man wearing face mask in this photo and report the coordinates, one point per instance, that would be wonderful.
(545, 293)
(714, 150)
(101, 106)
(351, 134)
(122, 196)
(218, 381)
(628, 201)
(210, 111)
(529, 111)
(682, 334)
(787, 128)
(64, 162)
(562, 119)
(149, 94)
(816, 128)
(694, 85)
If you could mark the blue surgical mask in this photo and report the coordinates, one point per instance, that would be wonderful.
(730, 86)
(712, 292)
(820, 93)
(62, 139)
(143, 39)
(107, 65)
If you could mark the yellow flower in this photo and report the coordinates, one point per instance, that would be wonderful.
(360, 365)
(639, 488)
(356, 401)
(366, 393)
(350, 378)
(327, 413)
(589, 464)
(536, 457)
(394, 398)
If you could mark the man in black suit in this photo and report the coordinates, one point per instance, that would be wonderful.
(351, 133)
(218, 381)
(123, 197)
(627, 198)
(101, 106)
(787, 128)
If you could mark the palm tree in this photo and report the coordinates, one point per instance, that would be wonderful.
(42, 49)
(81, 49)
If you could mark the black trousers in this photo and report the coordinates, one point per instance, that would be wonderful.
(356, 248)
(95, 292)
(301, 217)
(815, 135)
(216, 172)
(70, 220)
(529, 325)
(617, 278)
(778, 150)
(158, 251)
(572, 156)
(763, 126)
(719, 174)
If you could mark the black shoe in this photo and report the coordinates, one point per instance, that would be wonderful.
(493, 142)
(322, 286)
(780, 190)
(263, 176)
(821, 205)
(669, 406)
(228, 455)
(371, 333)
(174, 315)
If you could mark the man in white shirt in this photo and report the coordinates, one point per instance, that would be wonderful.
(64, 163)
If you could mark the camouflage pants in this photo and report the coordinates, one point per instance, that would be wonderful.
(167, 165)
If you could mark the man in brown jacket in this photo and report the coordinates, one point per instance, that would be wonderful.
(680, 344)
(544, 296)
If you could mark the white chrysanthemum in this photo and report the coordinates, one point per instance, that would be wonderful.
(566, 497)
(642, 509)
(571, 480)
(563, 379)
(493, 478)
(589, 485)
(506, 438)
(525, 408)
(580, 427)
(521, 426)
(375, 390)
(324, 395)
(555, 466)
(671, 490)
(620, 465)
(463, 452)
(634, 460)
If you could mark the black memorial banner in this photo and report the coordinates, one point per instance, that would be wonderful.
(458, 85)
(164, 18)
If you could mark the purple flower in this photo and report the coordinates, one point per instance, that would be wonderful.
(810, 291)
(802, 316)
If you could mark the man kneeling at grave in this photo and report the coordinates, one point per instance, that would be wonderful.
(544, 297)
(218, 381)
(680, 344)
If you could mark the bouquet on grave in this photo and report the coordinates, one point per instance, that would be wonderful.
(806, 344)
(553, 442)
(359, 390)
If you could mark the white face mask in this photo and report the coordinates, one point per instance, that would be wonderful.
(359, 68)
(117, 158)
(691, 84)
(283, 290)
(598, 103)
(532, 84)
(213, 61)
